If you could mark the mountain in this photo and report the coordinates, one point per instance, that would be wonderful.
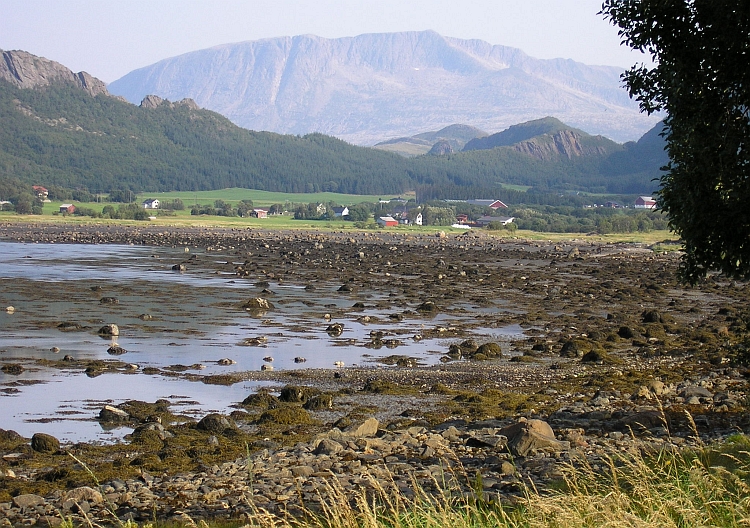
(365, 88)
(59, 131)
(546, 138)
(452, 137)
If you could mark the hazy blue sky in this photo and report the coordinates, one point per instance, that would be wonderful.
(109, 38)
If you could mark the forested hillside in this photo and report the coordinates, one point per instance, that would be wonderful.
(60, 135)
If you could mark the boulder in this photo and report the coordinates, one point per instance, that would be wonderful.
(368, 427)
(328, 447)
(109, 330)
(113, 415)
(215, 423)
(28, 500)
(335, 329)
(528, 437)
(84, 493)
(258, 305)
(44, 443)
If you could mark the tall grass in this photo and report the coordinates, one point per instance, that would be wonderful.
(699, 488)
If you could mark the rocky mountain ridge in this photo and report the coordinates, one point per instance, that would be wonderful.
(366, 88)
(30, 71)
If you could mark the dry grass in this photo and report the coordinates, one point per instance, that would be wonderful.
(707, 487)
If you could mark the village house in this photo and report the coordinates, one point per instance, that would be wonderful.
(387, 221)
(645, 202)
(340, 212)
(40, 192)
(492, 204)
(462, 219)
(259, 213)
(151, 203)
(484, 221)
(67, 208)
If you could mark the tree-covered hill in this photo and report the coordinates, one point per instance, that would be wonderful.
(61, 135)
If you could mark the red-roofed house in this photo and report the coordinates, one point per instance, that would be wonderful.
(645, 202)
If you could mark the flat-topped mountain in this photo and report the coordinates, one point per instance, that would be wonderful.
(367, 88)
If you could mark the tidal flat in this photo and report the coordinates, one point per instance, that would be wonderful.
(287, 336)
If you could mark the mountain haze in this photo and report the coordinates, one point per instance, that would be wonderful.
(372, 87)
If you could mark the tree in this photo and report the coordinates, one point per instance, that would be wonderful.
(701, 78)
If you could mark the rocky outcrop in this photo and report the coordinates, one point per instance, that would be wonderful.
(154, 101)
(29, 71)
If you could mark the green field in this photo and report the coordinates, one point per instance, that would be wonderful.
(263, 198)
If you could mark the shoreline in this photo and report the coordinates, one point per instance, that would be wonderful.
(614, 354)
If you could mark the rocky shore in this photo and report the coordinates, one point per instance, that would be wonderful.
(616, 357)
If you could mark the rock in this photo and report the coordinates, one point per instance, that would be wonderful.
(113, 415)
(109, 300)
(67, 326)
(696, 391)
(328, 447)
(9, 436)
(368, 427)
(158, 428)
(319, 403)
(335, 329)
(215, 423)
(657, 387)
(427, 307)
(116, 350)
(532, 436)
(84, 493)
(266, 367)
(300, 359)
(295, 394)
(28, 500)
(226, 361)
(258, 305)
(12, 368)
(44, 443)
(109, 330)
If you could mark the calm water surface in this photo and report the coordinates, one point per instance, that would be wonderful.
(196, 319)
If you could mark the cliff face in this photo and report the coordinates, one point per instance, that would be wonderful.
(370, 88)
(29, 71)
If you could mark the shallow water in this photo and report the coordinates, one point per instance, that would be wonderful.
(196, 319)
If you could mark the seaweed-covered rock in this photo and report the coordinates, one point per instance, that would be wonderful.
(216, 423)
(489, 351)
(286, 415)
(258, 305)
(113, 415)
(261, 399)
(295, 394)
(319, 403)
(44, 443)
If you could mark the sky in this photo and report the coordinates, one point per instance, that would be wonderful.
(109, 38)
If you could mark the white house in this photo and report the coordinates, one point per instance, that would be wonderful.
(151, 203)
(340, 212)
(486, 220)
(418, 219)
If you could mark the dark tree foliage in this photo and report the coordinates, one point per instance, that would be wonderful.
(701, 49)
